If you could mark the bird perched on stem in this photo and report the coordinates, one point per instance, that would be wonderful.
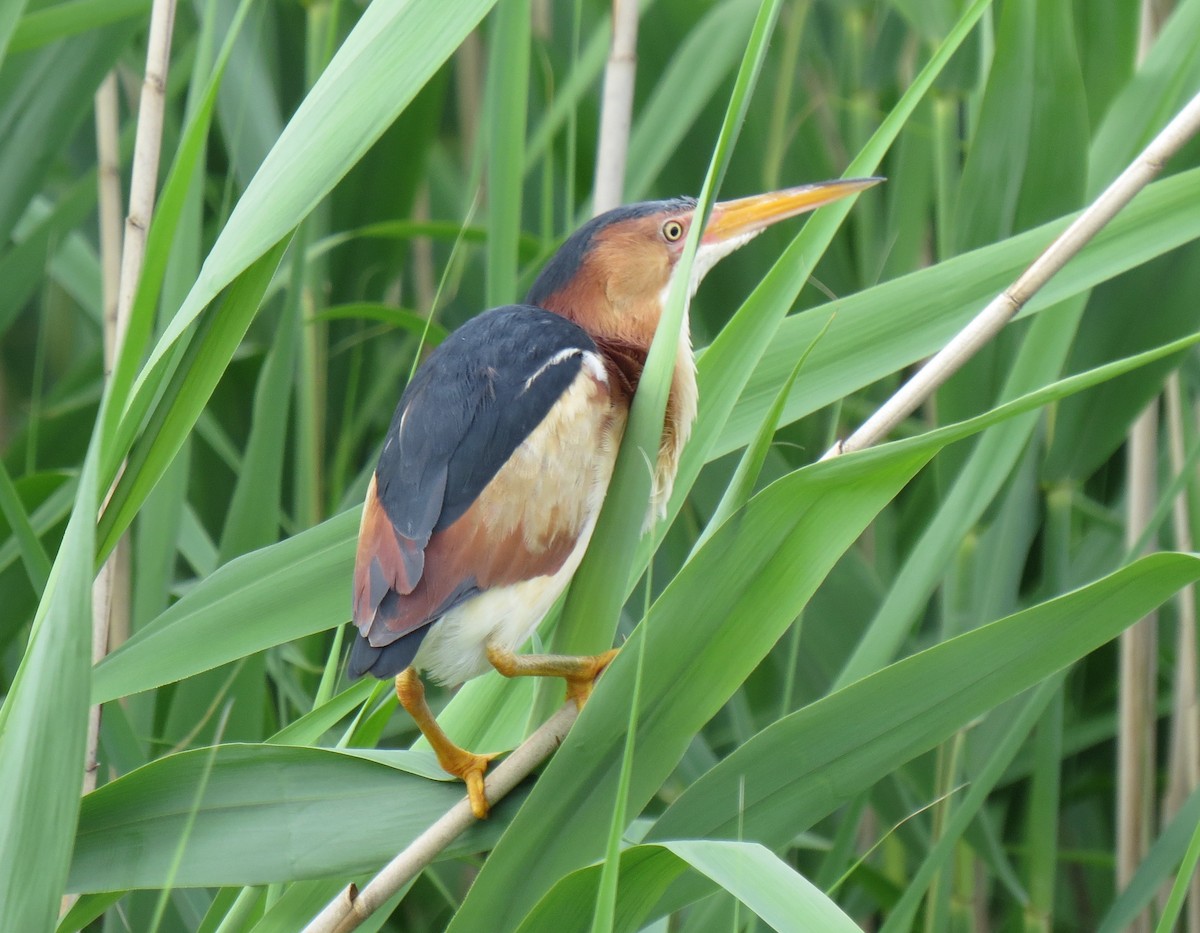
(501, 449)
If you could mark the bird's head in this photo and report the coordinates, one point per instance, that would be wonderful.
(612, 276)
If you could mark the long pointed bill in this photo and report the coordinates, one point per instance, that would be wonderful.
(739, 220)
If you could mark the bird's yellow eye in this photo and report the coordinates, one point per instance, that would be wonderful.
(672, 230)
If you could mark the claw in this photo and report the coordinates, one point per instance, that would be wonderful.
(470, 769)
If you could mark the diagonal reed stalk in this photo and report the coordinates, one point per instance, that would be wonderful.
(1005, 306)
(351, 907)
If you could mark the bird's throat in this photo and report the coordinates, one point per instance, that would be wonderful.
(625, 363)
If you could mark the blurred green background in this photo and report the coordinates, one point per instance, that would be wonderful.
(341, 184)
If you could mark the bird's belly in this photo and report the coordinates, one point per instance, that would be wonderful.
(552, 485)
(455, 649)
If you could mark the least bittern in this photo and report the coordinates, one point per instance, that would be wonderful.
(502, 446)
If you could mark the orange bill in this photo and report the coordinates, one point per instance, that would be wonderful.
(730, 219)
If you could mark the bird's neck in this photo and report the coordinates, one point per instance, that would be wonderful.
(626, 362)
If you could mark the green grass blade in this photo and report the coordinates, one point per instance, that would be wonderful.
(508, 79)
(253, 518)
(185, 397)
(1179, 889)
(71, 18)
(43, 727)
(606, 896)
(1166, 858)
(10, 16)
(764, 883)
(926, 698)
(595, 597)
(33, 555)
(394, 49)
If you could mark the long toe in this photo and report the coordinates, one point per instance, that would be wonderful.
(475, 792)
(470, 768)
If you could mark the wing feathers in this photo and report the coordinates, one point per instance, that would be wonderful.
(460, 502)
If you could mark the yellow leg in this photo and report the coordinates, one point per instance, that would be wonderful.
(463, 764)
(579, 671)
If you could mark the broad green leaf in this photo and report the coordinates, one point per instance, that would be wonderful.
(1000, 144)
(254, 516)
(771, 888)
(297, 812)
(202, 630)
(764, 883)
(914, 704)
(87, 909)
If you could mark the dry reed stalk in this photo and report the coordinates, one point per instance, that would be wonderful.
(351, 907)
(1138, 675)
(110, 600)
(1137, 646)
(616, 108)
(1183, 766)
(1005, 306)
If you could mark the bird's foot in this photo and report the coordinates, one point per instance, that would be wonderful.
(470, 769)
(579, 686)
